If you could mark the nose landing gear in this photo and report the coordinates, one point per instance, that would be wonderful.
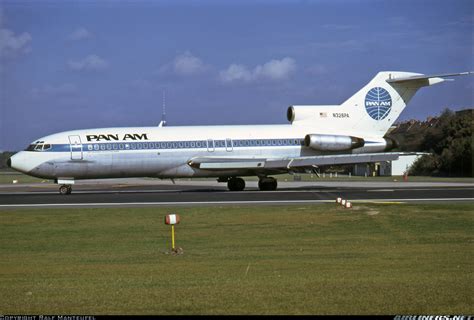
(65, 189)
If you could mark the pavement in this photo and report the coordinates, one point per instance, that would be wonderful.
(154, 192)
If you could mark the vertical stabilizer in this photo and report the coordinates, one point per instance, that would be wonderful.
(380, 103)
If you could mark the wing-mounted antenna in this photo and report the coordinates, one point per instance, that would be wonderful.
(163, 113)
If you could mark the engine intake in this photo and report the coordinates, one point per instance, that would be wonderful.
(324, 142)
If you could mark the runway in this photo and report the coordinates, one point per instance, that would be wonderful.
(192, 193)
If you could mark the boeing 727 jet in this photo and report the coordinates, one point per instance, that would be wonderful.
(318, 135)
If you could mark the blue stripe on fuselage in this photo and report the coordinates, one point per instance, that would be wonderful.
(172, 145)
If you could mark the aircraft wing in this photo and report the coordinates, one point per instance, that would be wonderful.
(288, 164)
(425, 77)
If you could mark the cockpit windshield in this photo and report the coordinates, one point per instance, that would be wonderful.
(38, 146)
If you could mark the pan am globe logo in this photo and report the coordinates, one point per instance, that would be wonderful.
(378, 103)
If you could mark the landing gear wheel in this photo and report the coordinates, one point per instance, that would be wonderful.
(65, 189)
(236, 184)
(267, 184)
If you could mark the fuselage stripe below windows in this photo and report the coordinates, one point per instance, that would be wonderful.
(175, 145)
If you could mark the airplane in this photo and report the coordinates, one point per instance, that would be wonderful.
(317, 135)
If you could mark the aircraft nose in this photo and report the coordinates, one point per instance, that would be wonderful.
(22, 162)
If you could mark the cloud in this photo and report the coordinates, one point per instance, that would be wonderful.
(272, 70)
(236, 72)
(12, 45)
(90, 63)
(79, 34)
(185, 64)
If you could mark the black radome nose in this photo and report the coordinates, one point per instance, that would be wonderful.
(9, 162)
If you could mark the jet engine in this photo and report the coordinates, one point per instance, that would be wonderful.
(324, 142)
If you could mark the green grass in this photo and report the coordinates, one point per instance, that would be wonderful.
(7, 177)
(322, 259)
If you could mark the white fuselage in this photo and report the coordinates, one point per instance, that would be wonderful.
(162, 151)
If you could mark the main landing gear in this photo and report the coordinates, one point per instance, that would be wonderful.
(236, 184)
(65, 189)
(267, 184)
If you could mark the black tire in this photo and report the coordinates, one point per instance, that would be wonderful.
(64, 189)
(236, 184)
(267, 184)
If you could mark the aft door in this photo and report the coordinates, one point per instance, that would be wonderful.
(76, 147)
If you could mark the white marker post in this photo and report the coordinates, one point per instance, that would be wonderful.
(172, 219)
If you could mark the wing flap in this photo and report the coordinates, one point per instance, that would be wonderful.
(212, 163)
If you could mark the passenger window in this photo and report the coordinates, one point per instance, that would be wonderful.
(109, 146)
(96, 147)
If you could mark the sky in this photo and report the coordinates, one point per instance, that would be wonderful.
(85, 64)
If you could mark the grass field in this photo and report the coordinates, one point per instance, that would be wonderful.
(323, 259)
(7, 177)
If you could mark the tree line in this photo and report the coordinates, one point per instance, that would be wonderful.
(450, 144)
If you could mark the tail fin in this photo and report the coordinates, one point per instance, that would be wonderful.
(372, 110)
(378, 105)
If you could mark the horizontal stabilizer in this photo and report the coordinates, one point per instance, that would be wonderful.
(427, 77)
